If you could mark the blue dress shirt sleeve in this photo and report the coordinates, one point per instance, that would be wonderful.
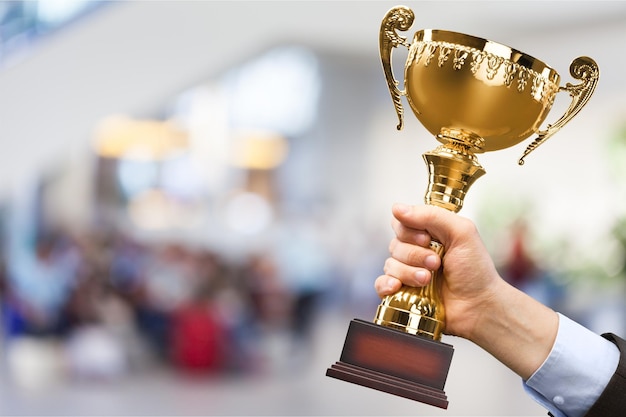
(575, 372)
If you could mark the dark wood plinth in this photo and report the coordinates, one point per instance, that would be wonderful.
(395, 362)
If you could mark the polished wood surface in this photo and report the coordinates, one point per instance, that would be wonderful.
(395, 362)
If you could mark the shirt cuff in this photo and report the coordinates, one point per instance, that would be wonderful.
(575, 372)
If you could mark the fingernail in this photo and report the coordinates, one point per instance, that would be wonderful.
(431, 262)
(422, 239)
(420, 276)
(390, 284)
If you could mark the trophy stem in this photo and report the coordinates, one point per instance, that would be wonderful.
(452, 168)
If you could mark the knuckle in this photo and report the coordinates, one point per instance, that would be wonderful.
(393, 244)
(467, 227)
(414, 256)
(387, 265)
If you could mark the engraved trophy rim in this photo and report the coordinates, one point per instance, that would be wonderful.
(480, 44)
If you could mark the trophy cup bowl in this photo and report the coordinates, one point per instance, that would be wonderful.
(482, 93)
(477, 91)
(474, 96)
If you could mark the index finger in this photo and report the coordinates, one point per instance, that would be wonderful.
(435, 221)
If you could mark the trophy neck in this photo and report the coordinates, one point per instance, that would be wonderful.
(452, 170)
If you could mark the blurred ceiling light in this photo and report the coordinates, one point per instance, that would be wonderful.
(123, 137)
(257, 149)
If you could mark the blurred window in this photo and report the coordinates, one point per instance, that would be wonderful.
(22, 23)
(277, 91)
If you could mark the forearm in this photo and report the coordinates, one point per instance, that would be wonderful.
(516, 329)
(577, 372)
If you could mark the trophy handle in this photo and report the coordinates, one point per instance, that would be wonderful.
(398, 18)
(582, 68)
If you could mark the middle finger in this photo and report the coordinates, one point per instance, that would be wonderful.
(414, 255)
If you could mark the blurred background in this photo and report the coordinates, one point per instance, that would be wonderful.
(195, 200)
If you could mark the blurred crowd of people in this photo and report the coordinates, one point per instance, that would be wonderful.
(113, 304)
(117, 304)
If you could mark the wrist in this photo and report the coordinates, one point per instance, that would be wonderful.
(481, 314)
(515, 328)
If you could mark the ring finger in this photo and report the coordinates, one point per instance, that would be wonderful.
(409, 275)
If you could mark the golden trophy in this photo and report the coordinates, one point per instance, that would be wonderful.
(474, 96)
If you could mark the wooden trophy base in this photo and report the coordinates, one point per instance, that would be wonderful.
(394, 362)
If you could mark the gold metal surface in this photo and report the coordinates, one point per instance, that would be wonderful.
(474, 96)
(415, 310)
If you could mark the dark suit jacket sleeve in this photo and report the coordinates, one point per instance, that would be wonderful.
(612, 401)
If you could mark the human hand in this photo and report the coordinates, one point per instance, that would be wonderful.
(480, 306)
(470, 278)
